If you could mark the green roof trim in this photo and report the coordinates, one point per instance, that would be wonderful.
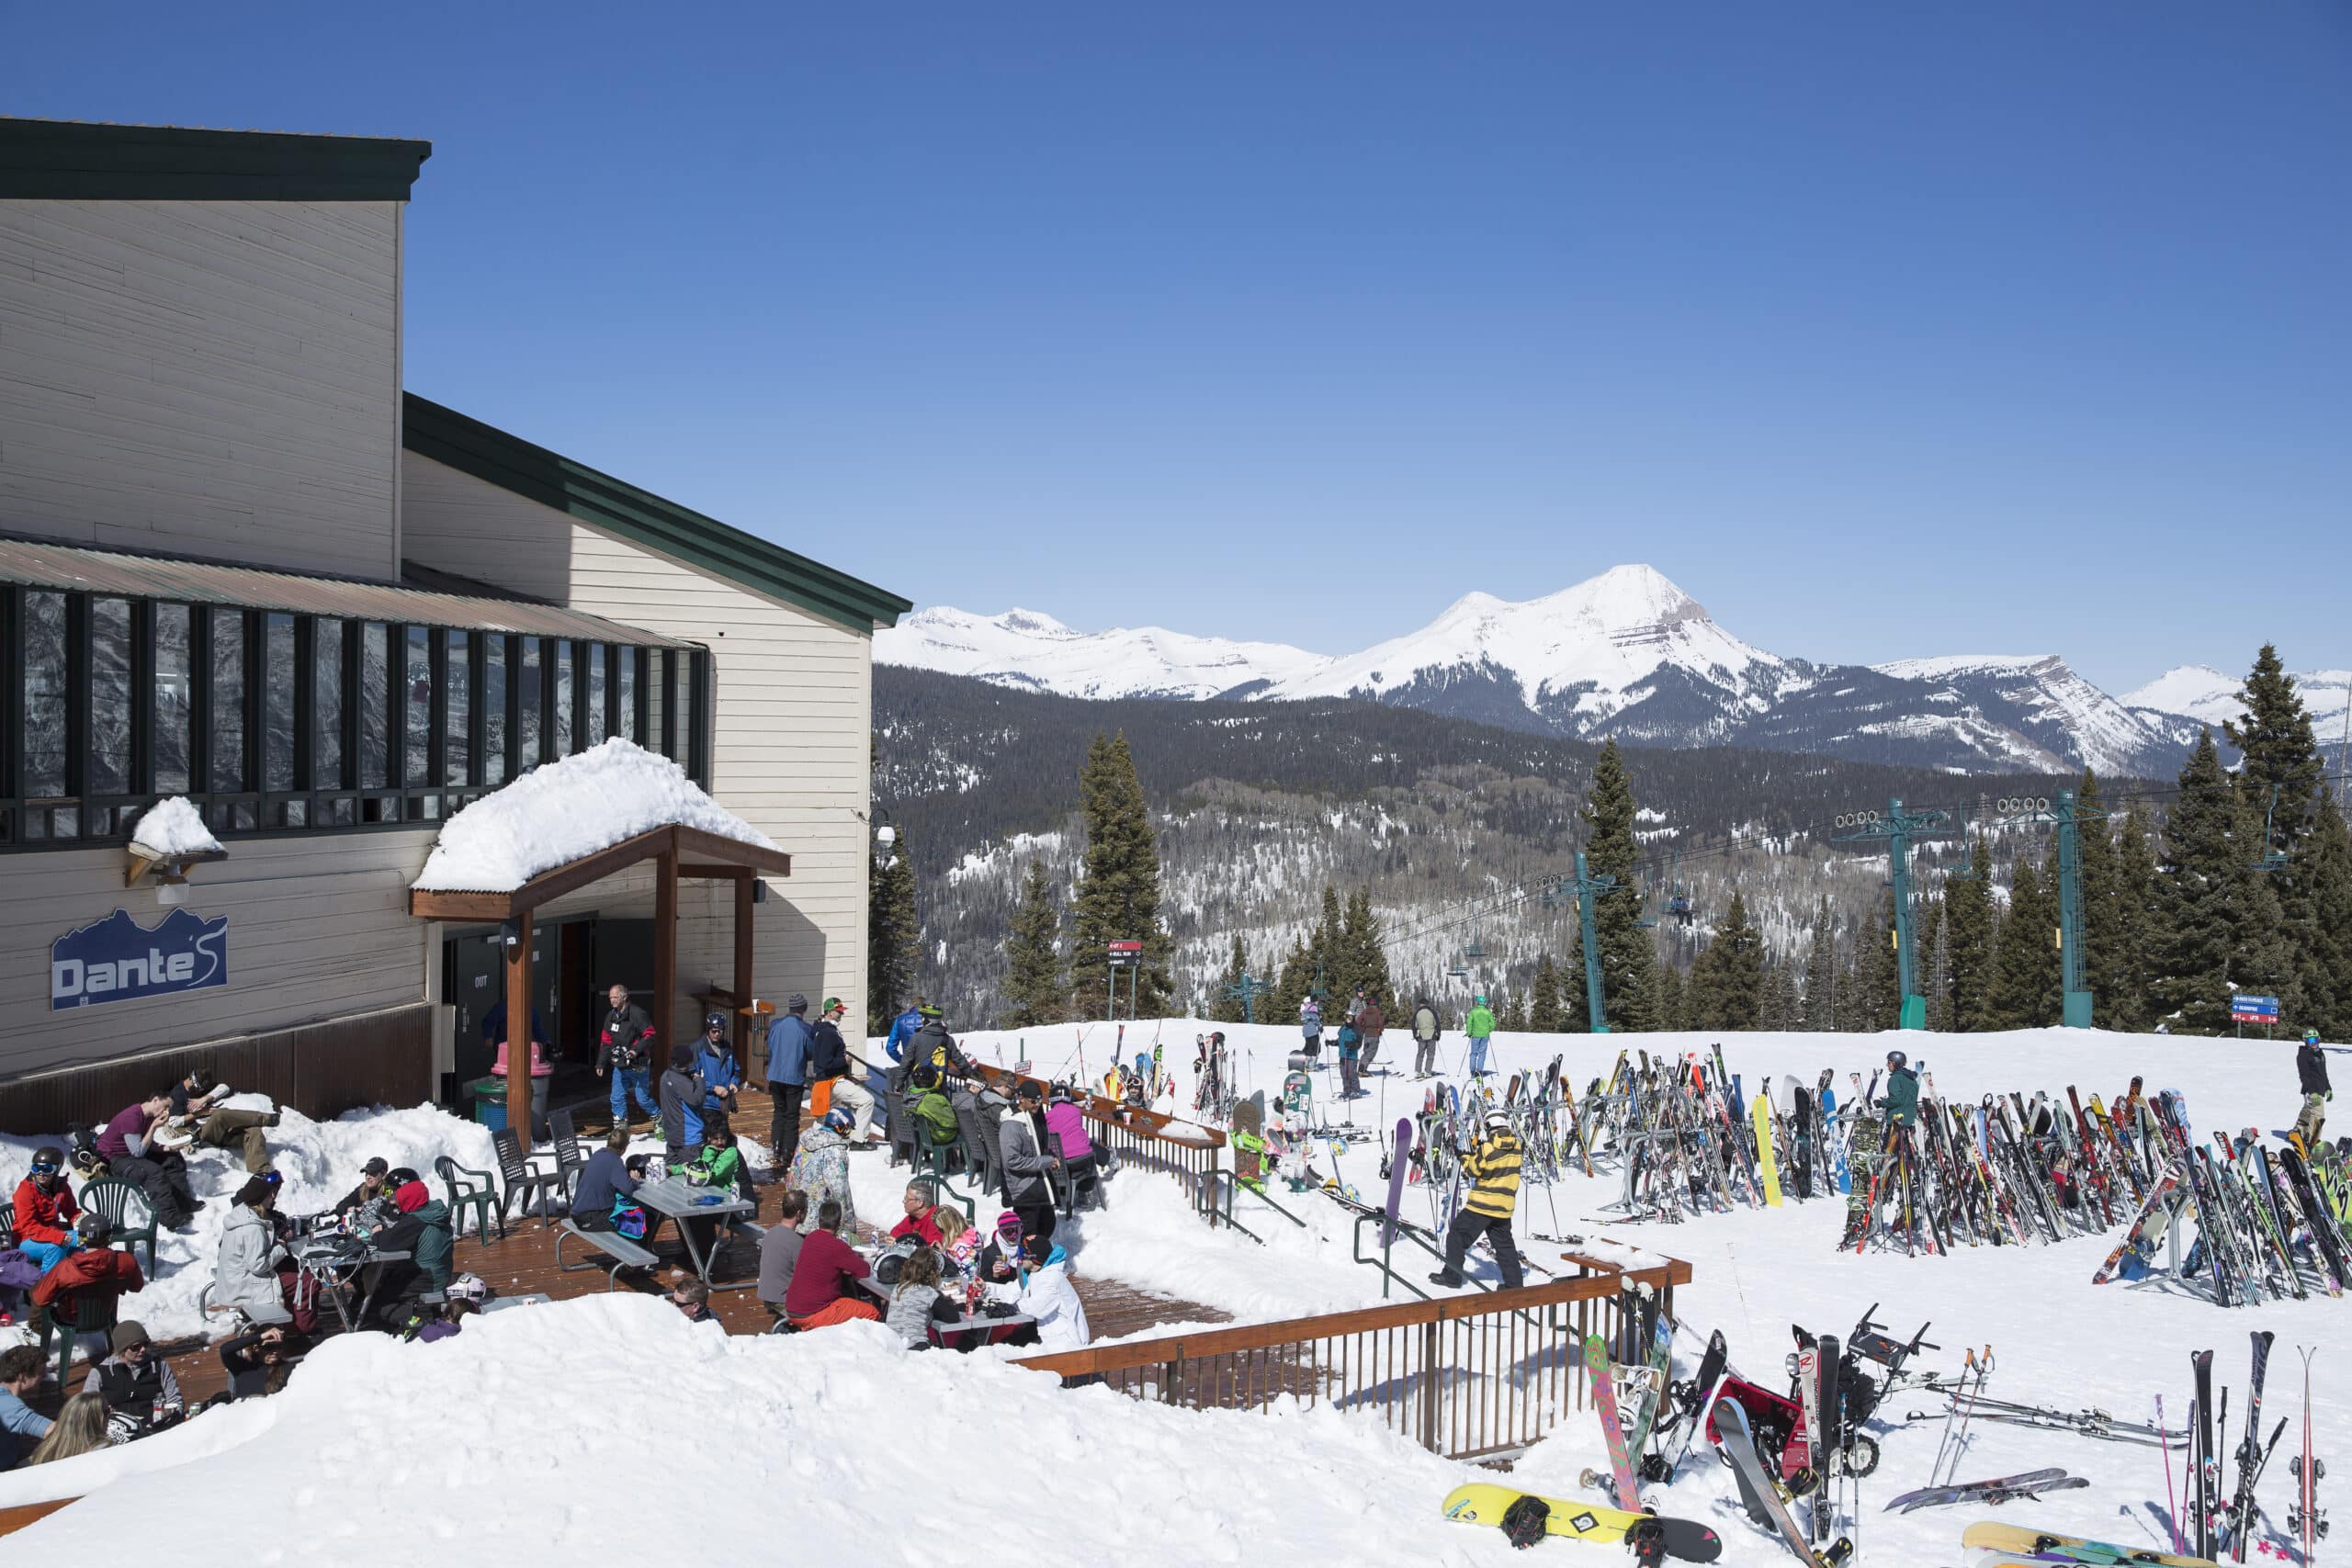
(67, 160)
(467, 444)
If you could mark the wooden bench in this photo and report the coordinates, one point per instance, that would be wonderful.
(623, 1252)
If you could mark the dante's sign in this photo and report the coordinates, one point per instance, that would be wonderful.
(118, 960)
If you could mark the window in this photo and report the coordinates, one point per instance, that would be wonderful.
(532, 710)
(657, 680)
(326, 704)
(416, 701)
(375, 706)
(45, 695)
(174, 695)
(278, 703)
(228, 774)
(596, 727)
(492, 698)
(562, 715)
(456, 726)
(625, 681)
(109, 697)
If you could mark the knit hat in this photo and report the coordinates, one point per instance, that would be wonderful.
(795, 1003)
(1008, 1224)
(126, 1335)
(410, 1198)
(254, 1193)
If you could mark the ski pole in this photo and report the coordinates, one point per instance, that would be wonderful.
(2171, 1513)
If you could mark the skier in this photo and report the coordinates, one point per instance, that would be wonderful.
(624, 1045)
(1369, 1023)
(1492, 1170)
(1425, 1039)
(2310, 1070)
(1310, 1028)
(1479, 1025)
(1901, 1100)
(1350, 1042)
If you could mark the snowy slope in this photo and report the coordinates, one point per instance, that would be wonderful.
(2040, 698)
(2189, 697)
(1022, 647)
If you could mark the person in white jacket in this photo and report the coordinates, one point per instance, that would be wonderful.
(1045, 1292)
(246, 1277)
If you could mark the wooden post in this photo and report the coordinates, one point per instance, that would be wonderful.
(743, 933)
(518, 1023)
(666, 954)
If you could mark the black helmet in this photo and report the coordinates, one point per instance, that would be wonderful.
(1897, 1059)
(713, 1021)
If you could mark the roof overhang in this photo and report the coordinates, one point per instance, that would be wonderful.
(68, 159)
(715, 855)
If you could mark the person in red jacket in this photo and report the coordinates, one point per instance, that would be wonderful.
(46, 1209)
(819, 1294)
(92, 1273)
(922, 1215)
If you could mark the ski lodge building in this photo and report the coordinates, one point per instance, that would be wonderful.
(242, 564)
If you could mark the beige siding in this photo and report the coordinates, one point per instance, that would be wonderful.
(318, 927)
(452, 522)
(219, 379)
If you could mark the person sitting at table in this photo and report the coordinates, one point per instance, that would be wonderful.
(959, 1243)
(197, 1102)
(80, 1430)
(1066, 1119)
(692, 1297)
(934, 1112)
(46, 1209)
(822, 1294)
(719, 1162)
(1044, 1292)
(423, 1232)
(680, 1087)
(254, 1273)
(257, 1363)
(21, 1427)
(369, 1204)
(821, 1167)
(611, 1172)
(138, 1388)
(91, 1275)
(922, 1221)
(1001, 1256)
(917, 1302)
(780, 1250)
(722, 1076)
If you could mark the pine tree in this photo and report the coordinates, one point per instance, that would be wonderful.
(2327, 975)
(1330, 957)
(1544, 1005)
(1511, 1015)
(1575, 1013)
(893, 934)
(2275, 739)
(1968, 939)
(2131, 920)
(2102, 961)
(1734, 990)
(1819, 1009)
(1878, 983)
(1224, 1007)
(1665, 1008)
(1780, 1010)
(1939, 981)
(1118, 899)
(2217, 919)
(1297, 979)
(2024, 993)
(1032, 986)
(1366, 961)
(1610, 849)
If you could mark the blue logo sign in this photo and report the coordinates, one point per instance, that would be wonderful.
(2246, 1009)
(118, 960)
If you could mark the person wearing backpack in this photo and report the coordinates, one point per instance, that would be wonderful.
(1479, 1025)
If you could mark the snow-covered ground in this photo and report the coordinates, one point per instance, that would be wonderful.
(820, 1434)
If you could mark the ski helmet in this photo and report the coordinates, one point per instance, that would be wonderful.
(2311, 1036)
(1897, 1059)
(839, 1120)
(468, 1287)
(1497, 1120)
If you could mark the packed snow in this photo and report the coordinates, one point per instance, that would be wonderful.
(564, 810)
(173, 827)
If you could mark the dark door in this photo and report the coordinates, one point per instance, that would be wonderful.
(474, 983)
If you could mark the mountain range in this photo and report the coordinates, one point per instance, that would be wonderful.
(1629, 654)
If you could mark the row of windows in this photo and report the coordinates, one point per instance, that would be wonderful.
(272, 722)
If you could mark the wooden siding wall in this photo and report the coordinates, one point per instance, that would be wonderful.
(793, 724)
(319, 928)
(219, 379)
(320, 1069)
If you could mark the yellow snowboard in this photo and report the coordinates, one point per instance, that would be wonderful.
(1988, 1535)
(1483, 1503)
(1766, 1161)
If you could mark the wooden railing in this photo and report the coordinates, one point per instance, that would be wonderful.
(1468, 1377)
(1146, 1140)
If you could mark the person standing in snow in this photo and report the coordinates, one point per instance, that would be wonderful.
(1028, 1168)
(1492, 1170)
(625, 1048)
(821, 1165)
(2311, 1073)
(1350, 1042)
(680, 1086)
(1310, 1029)
(1902, 1093)
(1425, 1033)
(1369, 1024)
(1479, 1026)
(789, 1038)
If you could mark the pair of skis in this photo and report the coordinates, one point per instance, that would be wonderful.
(2027, 1486)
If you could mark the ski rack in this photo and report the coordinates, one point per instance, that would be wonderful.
(1224, 1186)
(1387, 1272)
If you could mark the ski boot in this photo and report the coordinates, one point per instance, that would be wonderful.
(1647, 1541)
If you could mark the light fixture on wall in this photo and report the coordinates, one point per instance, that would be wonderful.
(510, 934)
(166, 872)
(759, 890)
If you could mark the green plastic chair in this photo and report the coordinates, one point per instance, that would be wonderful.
(66, 1320)
(125, 1208)
(481, 1198)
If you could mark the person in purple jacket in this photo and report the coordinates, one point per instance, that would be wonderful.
(132, 1154)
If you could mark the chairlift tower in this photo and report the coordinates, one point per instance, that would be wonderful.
(1585, 888)
(1247, 990)
(2065, 818)
(1898, 828)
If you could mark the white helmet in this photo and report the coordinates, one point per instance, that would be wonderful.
(468, 1287)
(1497, 1120)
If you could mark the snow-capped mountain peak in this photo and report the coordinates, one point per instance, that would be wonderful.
(1033, 650)
(2189, 697)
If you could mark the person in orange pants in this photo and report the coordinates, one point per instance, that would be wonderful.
(820, 1294)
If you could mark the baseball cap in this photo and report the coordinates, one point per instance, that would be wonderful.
(375, 1167)
(832, 1004)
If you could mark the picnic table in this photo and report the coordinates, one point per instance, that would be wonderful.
(342, 1267)
(968, 1333)
(676, 1198)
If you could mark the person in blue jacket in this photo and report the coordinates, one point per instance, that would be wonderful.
(902, 1029)
(721, 1075)
(789, 1038)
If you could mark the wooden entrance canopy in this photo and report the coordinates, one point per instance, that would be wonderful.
(716, 858)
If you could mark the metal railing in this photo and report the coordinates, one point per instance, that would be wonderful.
(1469, 1378)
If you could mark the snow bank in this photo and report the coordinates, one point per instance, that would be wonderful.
(173, 827)
(492, 1446)
(561, 811)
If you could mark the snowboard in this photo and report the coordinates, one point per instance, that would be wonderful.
(1602, 1373)
(1397, 1167)
(1844, 1180)
(1483, 1503)
(1298, 1094)
(1766, 1161)
(1988, 1535)
(1757, 1490)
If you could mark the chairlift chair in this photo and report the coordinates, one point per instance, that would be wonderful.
(2272, 858)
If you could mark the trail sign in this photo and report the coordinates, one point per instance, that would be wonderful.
(1124, 954)
(2246, 1009)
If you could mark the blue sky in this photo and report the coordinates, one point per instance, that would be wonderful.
(1885, 330)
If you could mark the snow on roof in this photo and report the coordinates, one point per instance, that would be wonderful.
(173, 827)
(565, 811)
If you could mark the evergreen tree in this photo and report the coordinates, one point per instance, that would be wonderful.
(1819, 1009)
(1544, 1005)
(1330, 957)
(1224, 1007)
(1610, 849)
(2024, 992)
(1032, 986)
(2327, 975)
(1877, 985)
(2131, 926)
(1118, 899)
(1780, 1010)
(2218, 919)
(2101, 961)
(1939, 981)
(1968, 939)
(1734, 994)
(2275, 739)
(1362, 957)
(1510, 1014)
(1297, 979)
(893, 934)
(1665, 1010)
